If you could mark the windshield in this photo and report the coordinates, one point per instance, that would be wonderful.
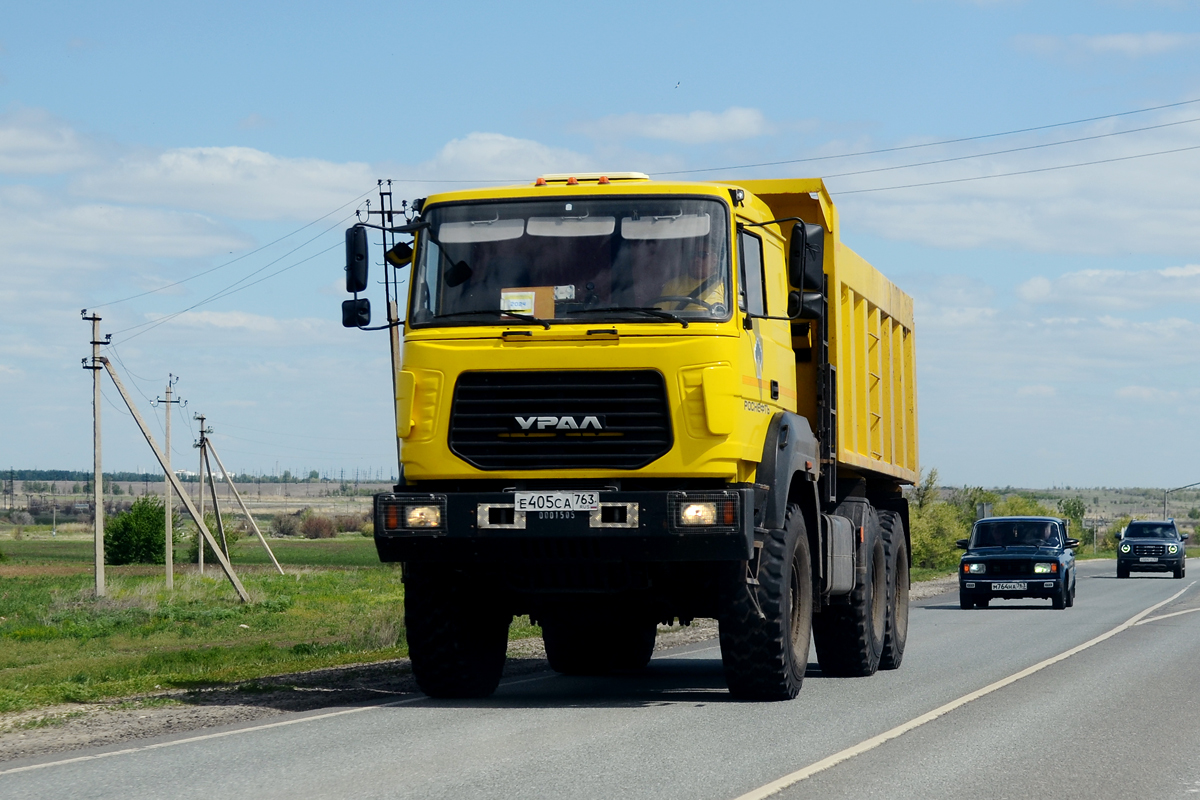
(1016, 533)
(1150, 530)
(644, 259)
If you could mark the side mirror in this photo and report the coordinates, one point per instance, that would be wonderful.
(805, 305)
(356, 259)
(400, 255)
(961, 544)
(1072, 543)
(356, 313)
(806, 256)
(1185, 536)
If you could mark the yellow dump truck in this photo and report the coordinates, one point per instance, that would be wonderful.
(622, 403)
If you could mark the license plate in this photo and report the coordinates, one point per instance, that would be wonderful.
(556, 501)
(1010, 586)
(1148, 559)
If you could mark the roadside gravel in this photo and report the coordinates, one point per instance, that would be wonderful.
(85, 725)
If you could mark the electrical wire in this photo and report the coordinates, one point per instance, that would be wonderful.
(1010, 150)
(233, 288)
(235, 260)
(1019, 172)
(936, 143)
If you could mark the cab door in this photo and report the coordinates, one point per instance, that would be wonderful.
(762, 292)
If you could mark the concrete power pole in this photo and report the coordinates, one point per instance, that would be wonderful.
(168, 490)
(200, 476)
(95, 365)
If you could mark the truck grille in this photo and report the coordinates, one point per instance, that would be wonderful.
(1149, 549)
(560, 420)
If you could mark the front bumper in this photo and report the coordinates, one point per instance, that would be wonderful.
(1163, 564)
(994, 588)
(483, 527)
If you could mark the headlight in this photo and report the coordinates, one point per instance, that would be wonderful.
(698, 514)
(1125, 548)
(1172, 549)
(422, 516)
(1044, 569)
(975, 569)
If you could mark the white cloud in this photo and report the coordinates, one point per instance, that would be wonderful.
(1116, 289)
(1148, 394)
(1129, 45)
(231, 181)
(34, 142)
(1037, 390)
(1144, 203)
(38, 229)
(698, 127)
(484, 157)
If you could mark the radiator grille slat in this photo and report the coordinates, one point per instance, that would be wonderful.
(631, 407)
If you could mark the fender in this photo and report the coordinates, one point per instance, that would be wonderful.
(790, 448)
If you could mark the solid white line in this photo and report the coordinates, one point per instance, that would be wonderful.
(1165, 616)
(875, 741)
(204, 737)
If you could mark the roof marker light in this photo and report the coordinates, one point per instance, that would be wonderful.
(572, 182)
(603, 180)
(540, 182)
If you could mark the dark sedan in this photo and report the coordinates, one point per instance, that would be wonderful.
(1011, 557)
(1151, 546)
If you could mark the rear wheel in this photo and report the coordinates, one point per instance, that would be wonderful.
(982, 602)
(1071, 593)
(895, 634)
(850, 637)
(457, 638)
(582, 646)
(765, 629)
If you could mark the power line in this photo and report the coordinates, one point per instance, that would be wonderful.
(934, 144)
(1021, 172)
(1011, 150)
(235, 260)
(230, 289)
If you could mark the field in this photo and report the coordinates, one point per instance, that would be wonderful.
(336, 605)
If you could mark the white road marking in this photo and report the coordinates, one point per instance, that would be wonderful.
(777, 786)
(1166, 616)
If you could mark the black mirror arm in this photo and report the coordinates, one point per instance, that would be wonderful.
(395, 324)
(769, 222)
(411, 227)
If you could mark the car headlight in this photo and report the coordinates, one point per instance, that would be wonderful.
(975, 569)
(422, 516)
(1172, 549)
(1125, 548)
(1044, 569)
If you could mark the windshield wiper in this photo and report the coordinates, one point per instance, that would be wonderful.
(497, 312)
(654, 312)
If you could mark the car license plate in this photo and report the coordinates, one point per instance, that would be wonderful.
(1009, 586)
(1147, 559)
(556, 501)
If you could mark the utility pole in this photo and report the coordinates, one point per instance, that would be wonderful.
(200, 476)
(95, 365)
(168, 490)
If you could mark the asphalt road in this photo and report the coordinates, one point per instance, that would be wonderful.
(1117, 718)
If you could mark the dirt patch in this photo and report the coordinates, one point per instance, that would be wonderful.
(50, 570)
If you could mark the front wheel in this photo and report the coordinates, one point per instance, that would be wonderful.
(1122, 571)
(1179, 571)
(457, 637)
(965, 603)
(765, 629)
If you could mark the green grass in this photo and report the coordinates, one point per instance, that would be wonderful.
(347, 550)
(58, 644)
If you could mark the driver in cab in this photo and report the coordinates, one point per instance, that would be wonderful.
(697, 285)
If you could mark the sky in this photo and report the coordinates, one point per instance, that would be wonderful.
(1028, 172)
